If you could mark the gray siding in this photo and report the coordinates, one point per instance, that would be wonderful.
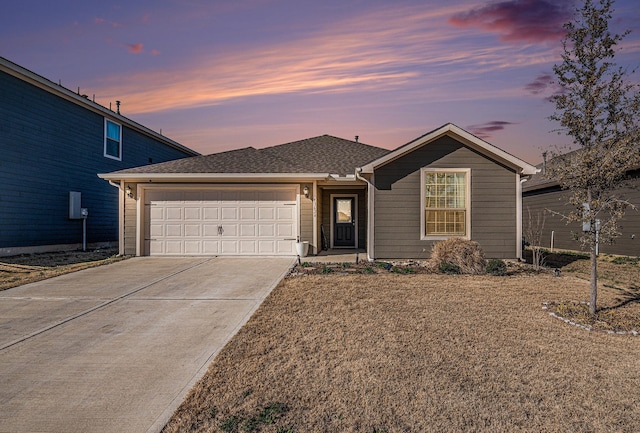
(397, 201)
(553, 199)
(306, 216)
(51, 146)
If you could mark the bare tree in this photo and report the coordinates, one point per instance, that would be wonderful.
(599, 109)
(533, 234)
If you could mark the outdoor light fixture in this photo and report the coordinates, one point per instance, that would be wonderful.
(305, 191)
(129, 191)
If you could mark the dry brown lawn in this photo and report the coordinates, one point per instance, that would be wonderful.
(419, 353)
(28, 268)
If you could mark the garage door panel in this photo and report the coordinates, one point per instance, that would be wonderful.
(192, 247)
(229, 247)
(266, 247)
(173, 230)
(285, 213)
(248, 247)
(229, 213)
(192, 213)
(210, 230)
(173, 247)
(173, 213)
(266, 230)
(229, 230)
(248, 213)
(284, 230)
(211, 247)
(192, 230)
(221, 221)
(248, 230)
(211, 213)
(266, 213)
(156, 230)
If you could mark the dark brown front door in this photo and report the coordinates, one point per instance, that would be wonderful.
(344, 223)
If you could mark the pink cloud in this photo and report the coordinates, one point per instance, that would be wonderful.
(519, 20)
(486, 130)
(154, 52)
(540, 84)
(135, 48)
(544, 84)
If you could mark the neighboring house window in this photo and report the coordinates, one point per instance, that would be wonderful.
(112, 140)
(445, 203)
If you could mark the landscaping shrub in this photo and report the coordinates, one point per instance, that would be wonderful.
(466, 255)
(449, 268)
(496, 267)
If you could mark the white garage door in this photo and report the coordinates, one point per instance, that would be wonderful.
(221, 221)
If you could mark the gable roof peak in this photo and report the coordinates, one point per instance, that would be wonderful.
(465, 137)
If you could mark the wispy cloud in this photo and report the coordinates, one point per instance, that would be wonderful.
(487, 130)
(107, 22)
(540, 84)
(531, 21)
(382, 50)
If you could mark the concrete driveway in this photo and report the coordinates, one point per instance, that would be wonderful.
(116, 348)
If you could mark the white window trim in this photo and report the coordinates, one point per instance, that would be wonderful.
(423, 228)
(106, 155)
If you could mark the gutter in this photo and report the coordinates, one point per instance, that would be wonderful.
(208, 177)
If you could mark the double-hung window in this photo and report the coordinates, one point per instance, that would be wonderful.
(112, 140)
(445, 203)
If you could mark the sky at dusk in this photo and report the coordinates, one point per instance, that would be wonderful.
(220, 75)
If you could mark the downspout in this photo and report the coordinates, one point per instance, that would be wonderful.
(314, 239)
(370, 221)
(519, 182)
(121, 199)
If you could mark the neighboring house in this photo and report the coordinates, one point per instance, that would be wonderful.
(53, 142)
(331, 192)
(544, 198)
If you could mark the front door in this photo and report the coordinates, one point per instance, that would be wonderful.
(344, 223)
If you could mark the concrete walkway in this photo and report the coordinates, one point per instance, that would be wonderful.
(116, 348)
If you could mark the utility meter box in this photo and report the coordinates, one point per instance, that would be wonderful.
(75, 208)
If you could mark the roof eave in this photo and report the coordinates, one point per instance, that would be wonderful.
(212, 177)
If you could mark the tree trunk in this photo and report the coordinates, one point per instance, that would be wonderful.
(594, 282)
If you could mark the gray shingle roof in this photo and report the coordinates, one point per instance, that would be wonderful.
(323, 154)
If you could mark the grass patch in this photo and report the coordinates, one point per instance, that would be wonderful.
(29, 268)
(423, 353)
(624, 260)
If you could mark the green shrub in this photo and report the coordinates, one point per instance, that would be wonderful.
(496, 267)
(449, 268)
(624, 260)
(230, 424)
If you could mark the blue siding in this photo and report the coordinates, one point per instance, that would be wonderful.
(50, 146)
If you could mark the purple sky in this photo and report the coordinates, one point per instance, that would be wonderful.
(219, 75)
